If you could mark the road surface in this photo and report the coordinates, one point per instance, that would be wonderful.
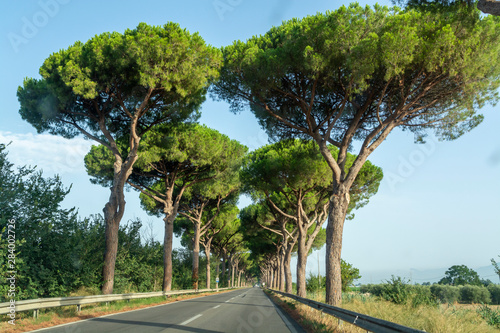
(240, 311)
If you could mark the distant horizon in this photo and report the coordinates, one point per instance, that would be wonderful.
(413, 275)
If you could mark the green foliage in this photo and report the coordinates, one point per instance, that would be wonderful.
(491, 316)
(465, 6)
(196, 157)
(397, 290)
(259, 241)
(314, 74)
(45, 258)
(445, 294)
(315, 283)
(146, 72)
(373, 289)
(474, 294)
(291, 166)
(494, 290)
(57, 253)
(422, 295)
(400, 292)
(458, 275)
(117, 87)
(349, 275)
(294, 163)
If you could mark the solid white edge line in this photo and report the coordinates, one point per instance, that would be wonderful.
(190, 320)
(287, 322)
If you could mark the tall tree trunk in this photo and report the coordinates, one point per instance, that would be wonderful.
(111, 249)
(288, 272)
(336, 218)
(196, 255)
(167, 253)
(115, 207)
(113, 213)
(282, 270)
(239, 279)
(170, 209)
(301, 260)
(232, 274)
(207, 254)
(224, 259)
(276, 277)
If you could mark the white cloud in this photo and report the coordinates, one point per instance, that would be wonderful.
(52, 154)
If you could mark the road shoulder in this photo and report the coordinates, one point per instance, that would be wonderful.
(291, 323)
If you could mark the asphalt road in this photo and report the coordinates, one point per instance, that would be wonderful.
(239, 311)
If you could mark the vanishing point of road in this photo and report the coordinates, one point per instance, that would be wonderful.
(238, 311)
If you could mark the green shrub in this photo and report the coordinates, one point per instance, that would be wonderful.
(421, 295)
(474, 294)
(374, 289)
(494, 290)
(365, 288)
(396, 290)
(491, 316)
(313, 284)
(445, 294)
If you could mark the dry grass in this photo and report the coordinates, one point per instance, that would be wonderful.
(312, 320)
(443, 319)
(67, 314)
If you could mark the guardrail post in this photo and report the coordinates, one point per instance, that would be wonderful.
(107, 304)
(35, 313)
(78, 307)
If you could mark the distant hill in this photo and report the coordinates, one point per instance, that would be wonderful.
(421, 276)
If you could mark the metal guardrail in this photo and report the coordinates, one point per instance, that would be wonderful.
(44, 303)
(368, 323)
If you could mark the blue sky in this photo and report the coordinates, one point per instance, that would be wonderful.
(438, 205)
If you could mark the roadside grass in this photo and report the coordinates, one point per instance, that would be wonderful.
(437, 319)
(67, 314)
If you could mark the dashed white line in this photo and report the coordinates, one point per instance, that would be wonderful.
(215, 307)
(190, 320)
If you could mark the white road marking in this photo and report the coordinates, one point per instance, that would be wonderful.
(215, 307)
(190, 320)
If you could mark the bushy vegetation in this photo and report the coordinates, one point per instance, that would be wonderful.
(423, 297)
(60, 254)
(445, 293)
(400, 292)
(474, 295)
(494, 290)
(491, 316)
(349, 275)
